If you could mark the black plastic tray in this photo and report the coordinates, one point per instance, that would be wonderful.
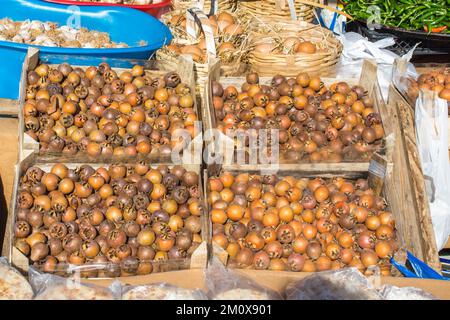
(405, 40)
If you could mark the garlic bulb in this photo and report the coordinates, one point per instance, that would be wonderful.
(49, 34)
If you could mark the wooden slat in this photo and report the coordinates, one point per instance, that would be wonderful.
(348, 170)
(406, 186)
(9, 107)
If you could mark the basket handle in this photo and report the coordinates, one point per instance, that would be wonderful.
(280, 4)
(323, 6)
(201, 19)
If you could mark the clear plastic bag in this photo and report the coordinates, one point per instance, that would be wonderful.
(13, 285)
(225, 284)
(156, 291)
(51, 287)
(406, 293)
(343, 284)
(431, 120)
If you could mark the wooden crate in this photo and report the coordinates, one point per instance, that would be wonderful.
(395, 188)
(155, 68)
(368, 80)
(400, 183)
(9, 107)
(409, 177)
(197, 260)
(403, 184)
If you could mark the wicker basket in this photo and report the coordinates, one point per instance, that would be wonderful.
(182, 37)
(186, 4)
(233, 67)
(232, 62)
(200, 69)
(322, 62)
(271, 10)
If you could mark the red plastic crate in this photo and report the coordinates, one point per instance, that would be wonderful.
(156, 10)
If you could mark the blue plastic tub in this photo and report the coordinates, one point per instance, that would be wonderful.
(124, 25)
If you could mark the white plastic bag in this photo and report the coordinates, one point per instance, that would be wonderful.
(13, 285)
(50, 287)
(406, 293)
(349, 284)
(225, 284)
(432, 142)
(155, 291)
(343, 284)
(357, 48)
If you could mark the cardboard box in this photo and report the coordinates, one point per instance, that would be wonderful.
(9, 150)
(276, 280)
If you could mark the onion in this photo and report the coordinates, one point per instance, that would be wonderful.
(291, 44)
(264, 48)
(306, 47)
(225, 16)
(223, 25)
(191, 49)
(233, 29)
(226, 46)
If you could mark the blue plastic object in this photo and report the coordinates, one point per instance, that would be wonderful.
(419, 269)
(124, 25)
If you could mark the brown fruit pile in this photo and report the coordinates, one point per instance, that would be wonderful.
(315, 123)
(100, 112)
(300, 224)
(437, 81)
(123, 217)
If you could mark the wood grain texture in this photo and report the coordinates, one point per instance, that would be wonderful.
(411, 197)
(9, 107)
(8, 159)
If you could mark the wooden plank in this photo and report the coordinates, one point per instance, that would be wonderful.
(9, 154)
(9, 107)
(349, 170)
(406, 186)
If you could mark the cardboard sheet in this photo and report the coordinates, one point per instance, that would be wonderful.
(9, 146)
